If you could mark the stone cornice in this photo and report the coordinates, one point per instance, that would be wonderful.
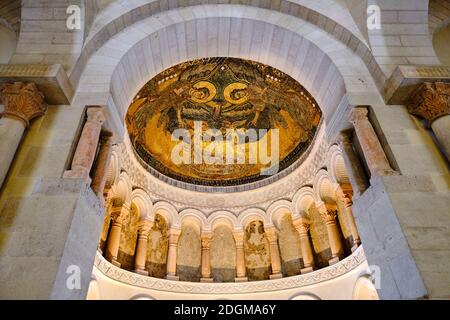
(126, 277)
(51, 80)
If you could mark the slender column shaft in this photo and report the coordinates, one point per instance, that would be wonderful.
(172, 254)
(346, 198)
(141, 247)
(328, 215)
(102, 165)
(118, 215)
(302, 226)
(87, 145)
(274, 253)
(23, 103)
(373, 152)
(240, 257)
(206, 260)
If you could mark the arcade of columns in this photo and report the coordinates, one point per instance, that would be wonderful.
(23, 102)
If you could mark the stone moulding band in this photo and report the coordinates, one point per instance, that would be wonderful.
(342, 267)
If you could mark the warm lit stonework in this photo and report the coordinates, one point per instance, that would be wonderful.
(225, 150)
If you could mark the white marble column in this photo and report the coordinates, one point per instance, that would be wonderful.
(87, 145)
(328, 214)
(174, 235)
(374, 155)
(206, 259)
(431, 102)
(275, 258)
(240, 257)
(118, 215)
(302, 226)
(23, 102)
(141, 247)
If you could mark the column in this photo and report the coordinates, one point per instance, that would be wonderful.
(118, 215)
(206, 261)
(240, 257)
(23, 102)
(354, 167)
(174, 235)
(302, 226)
(431, 102)
(373, 152)
(275, 259)
(141, 247)
(87, 145)
(345, 195)
(105, 227)
(328, 214)
(102, 164)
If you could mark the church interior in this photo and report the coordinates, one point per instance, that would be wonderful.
(225, 149)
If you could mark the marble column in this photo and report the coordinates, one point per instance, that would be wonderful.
(328, 213)
(431, 101)
(141, 247)
(357, 177)
(118, 215)
(206, 261)
(102, 164)
(87, 145)
(275, 259)
(23, 102)
(302, 226)
(240, 257)
(374, 155)
(174, 235)
(105, 227)
(344, 194)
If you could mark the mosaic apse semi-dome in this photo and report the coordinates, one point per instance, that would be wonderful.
(221, 122)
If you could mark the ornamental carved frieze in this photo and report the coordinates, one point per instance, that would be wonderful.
(430, 101)
(22, 101)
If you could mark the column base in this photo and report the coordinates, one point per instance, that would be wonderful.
(306, 270)
(240, 279)
(206, 280)
(115, 263)
(275, 276)
(141, 272)
(77, 174)
(355, 246)
(173, 278)
(333, 261)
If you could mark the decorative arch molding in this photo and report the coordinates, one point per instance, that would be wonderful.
(143, 9)
(194, 214)
(324, 188)
(302, 200)
(168, 211)
(123, 188)
(336, 166)
(305, 296)
(278, 210)
(223, 217)
(113, 170)
(144, 204)
(253, 214)
(438, 15)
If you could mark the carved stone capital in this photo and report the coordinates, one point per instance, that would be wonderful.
(174, 235)
(358, 114)
(22, 101)
(119, 213)
(144, 228)
(239, 238)
(96, 115)
(206, 241)
(328, 213)
(302, 225)
(430, 101)
(271, 234)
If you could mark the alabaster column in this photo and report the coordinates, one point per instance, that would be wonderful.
(141, 247)
(23, 102)
(373, 152)
(206, 260)
(118, 215)
(345, 195)
(328, 214)
(353, 166)
(102, 164)
(174, 235)
(275, 259)
(431, 101)
(87, 145)
(302, 226)
(240, 257)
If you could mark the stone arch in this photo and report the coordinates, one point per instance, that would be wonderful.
(336, 166)
(324, 188)
(302, 200)
(168, 211)
(222, 249)
(248, 215)
(223, 218)
(277, 210)
(304, 296)
(113, 170)
(123, 188)
(364, 289)
(142, 296)
(439, 26)
(195, 215)
(143, 203)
